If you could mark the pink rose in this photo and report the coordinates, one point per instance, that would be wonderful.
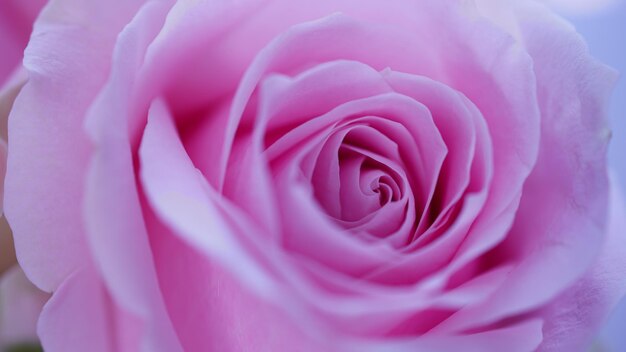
(314, 176)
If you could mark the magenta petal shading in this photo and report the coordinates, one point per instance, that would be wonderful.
(16, 24)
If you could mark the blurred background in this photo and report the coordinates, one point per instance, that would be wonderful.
(603, 24)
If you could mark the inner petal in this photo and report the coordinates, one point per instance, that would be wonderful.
(352, 182)
(355, 203)
(377, 183)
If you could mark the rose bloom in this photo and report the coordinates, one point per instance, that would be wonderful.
(291, 175)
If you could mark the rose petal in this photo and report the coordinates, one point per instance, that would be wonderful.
(49, 150)
(574, 317)
(80, 317)
(315, 241)
(215, 311)
(561, 214)
(178, 194)
(518, 338)
(113, 214)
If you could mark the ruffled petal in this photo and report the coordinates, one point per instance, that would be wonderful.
(575, 316)
(562, 214)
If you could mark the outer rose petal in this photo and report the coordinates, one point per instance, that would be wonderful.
(20, 305)
(68, 60)
(80, 317)
(562, 211)
(214, 311)
(70, 48)
(577, 314)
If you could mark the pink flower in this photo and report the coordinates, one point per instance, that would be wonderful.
(313, 176)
